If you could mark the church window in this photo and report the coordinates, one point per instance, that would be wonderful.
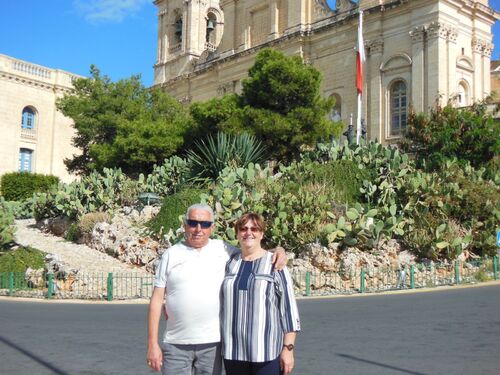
(28, 118)
(25, 160)
(398, 107)
(462, 95)
(178, 30)
(336, 114)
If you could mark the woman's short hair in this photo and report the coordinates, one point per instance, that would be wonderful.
(250, 216)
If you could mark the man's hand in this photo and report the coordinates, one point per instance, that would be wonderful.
(286, 361)
(155, 357)
(279, 258)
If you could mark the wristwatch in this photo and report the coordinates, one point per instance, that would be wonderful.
(289, 346)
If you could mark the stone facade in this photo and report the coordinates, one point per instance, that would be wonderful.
(418, 51)
(36, 137)
(495, 80)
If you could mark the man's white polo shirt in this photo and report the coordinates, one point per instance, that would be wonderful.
(192, 279)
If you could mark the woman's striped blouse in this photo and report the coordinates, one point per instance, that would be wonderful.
(258, 308)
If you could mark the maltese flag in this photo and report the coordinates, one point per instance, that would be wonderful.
(360, 56)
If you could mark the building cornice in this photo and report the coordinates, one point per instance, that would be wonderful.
(34, 83)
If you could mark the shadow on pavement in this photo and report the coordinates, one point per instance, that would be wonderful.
(354, 358)
(33, 356)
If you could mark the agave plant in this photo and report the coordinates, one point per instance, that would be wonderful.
(210, 156)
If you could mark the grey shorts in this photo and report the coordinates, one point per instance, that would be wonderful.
(198, 359)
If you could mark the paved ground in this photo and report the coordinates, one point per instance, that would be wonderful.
(455, 331)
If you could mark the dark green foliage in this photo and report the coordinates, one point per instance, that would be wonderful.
(280, 104)
(208, 115)
(18, 186)
(6, 227)
(20, 259)
(173, 206)
(122, 125)
(281, 83)
(210, 156)
(72, 233)
(467, 134)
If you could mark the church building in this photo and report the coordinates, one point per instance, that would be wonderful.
(417, 51)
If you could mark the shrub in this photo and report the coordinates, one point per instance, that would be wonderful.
(468, 134)
(172, 208)
(18, 186)
(6, 228)
(166, 178)
(87, 222)
(209, 158)
(19, 209)
(20, 259)
(72, 233)
(95, 192)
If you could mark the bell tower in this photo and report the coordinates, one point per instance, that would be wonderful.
(186, 29)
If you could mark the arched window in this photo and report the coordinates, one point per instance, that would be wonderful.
(210, 31)
(398, 107)
(462, 95)
(178, 30)
(336, 114)
(25, 160)
(28, 118)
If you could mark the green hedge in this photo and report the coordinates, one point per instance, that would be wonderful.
(17, 186)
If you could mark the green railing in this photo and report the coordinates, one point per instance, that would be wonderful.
(110, 286)
(366, 280)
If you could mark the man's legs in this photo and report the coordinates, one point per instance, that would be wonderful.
(207, 359)
(177, 359)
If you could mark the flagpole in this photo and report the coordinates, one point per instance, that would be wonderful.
(360, 57)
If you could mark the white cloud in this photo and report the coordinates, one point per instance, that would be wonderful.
(108, 10)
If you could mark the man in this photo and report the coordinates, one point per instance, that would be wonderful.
(189, 278)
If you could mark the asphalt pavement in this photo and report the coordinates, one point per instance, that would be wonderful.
(453, 331)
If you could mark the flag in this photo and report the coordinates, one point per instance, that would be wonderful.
(360, 59)
(360, 56)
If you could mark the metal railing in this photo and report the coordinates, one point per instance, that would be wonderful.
(110, 286)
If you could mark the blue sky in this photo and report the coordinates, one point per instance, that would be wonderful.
(118, 36)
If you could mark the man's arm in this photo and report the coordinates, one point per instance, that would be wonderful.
(155, 355)
(279, 258)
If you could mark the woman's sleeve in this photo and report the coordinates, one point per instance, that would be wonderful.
(289, 313)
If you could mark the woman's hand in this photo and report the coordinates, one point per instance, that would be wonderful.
(286, 361)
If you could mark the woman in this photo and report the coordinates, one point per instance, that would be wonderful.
(259, 313)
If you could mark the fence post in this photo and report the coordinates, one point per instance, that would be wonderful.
(50, 286)
(495, 267)
(457, 273)
(308, 283)
(11, 283)
(412, 276)
(110, 286)
(362, 281)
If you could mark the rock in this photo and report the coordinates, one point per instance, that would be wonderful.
(58, 226)
(124, 239)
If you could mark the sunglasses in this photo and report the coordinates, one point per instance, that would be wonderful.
(251, 229)
(203, 224)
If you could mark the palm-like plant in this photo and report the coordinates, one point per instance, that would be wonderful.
(210, 156)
